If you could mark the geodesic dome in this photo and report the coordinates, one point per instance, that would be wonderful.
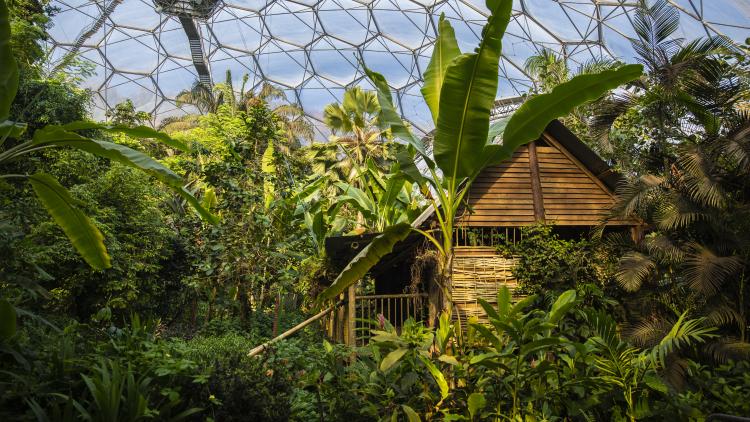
(150, 50)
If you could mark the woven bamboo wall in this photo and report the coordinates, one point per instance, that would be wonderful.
(478, 272)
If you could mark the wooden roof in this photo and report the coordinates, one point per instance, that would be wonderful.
(543, 181)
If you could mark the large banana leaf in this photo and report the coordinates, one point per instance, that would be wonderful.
(8, 67)
(529, 121)
(379, 247)
(135, 132)
(358, 198)
(58, 136)
(467, 98)
(390, 117)
(444, 51)
(83, 234)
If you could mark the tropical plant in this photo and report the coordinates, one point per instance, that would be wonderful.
(460, 90)
(207, 99)
(691, 191)
(83, 234)
(513, 339)
(384, 200)
(633, 371)
(662, 102)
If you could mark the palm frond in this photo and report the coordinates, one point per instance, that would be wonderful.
(684, 333)
(634, 195)
(707, 271)
(676, 212)
(634, 268)
(699, 176)
(728, 348)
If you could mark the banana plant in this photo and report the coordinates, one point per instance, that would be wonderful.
(384, 200)
(83, 234)
(460, 91)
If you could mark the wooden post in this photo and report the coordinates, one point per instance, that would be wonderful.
(351, 315)
(536, 183)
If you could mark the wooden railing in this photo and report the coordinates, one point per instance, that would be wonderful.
(394, 308)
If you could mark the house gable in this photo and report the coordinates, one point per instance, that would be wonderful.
(567, 192)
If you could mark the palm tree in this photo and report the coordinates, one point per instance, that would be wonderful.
(548, 69)
(661, 97)
(355, 127)
(694, 193)
(206, 99)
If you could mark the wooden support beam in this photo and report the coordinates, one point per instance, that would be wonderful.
(285, 334)
(351, 315)
(536, 184)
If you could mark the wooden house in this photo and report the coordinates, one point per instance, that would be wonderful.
(556, 179)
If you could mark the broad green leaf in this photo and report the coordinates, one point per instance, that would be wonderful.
(393, 187)
(541, 344)
(476, 403)
(358, 197)
(56, 135)
(7, 319)
(437, 375)
(562, 305)
(135, 132)
(411, 414)
(392, 358)
(497, 128)
(10, 129)
(210, 201)
(196, 204)
(83, 234)
(530, 120)
(8, 66)
(444, 51)
(367, 258)
(467, 98)
(450, 360)
(504, 301)
(489, 309)
(408, 166)
(388, 114)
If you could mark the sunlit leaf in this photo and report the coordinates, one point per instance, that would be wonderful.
(444, 51)
(467, 98)
(392, 358)
(83, 234)
(135, 132)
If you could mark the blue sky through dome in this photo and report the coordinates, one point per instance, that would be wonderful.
(310, 48)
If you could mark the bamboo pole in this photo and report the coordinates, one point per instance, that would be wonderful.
(257, 350)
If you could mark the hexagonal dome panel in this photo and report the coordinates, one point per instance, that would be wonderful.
(149, 50)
